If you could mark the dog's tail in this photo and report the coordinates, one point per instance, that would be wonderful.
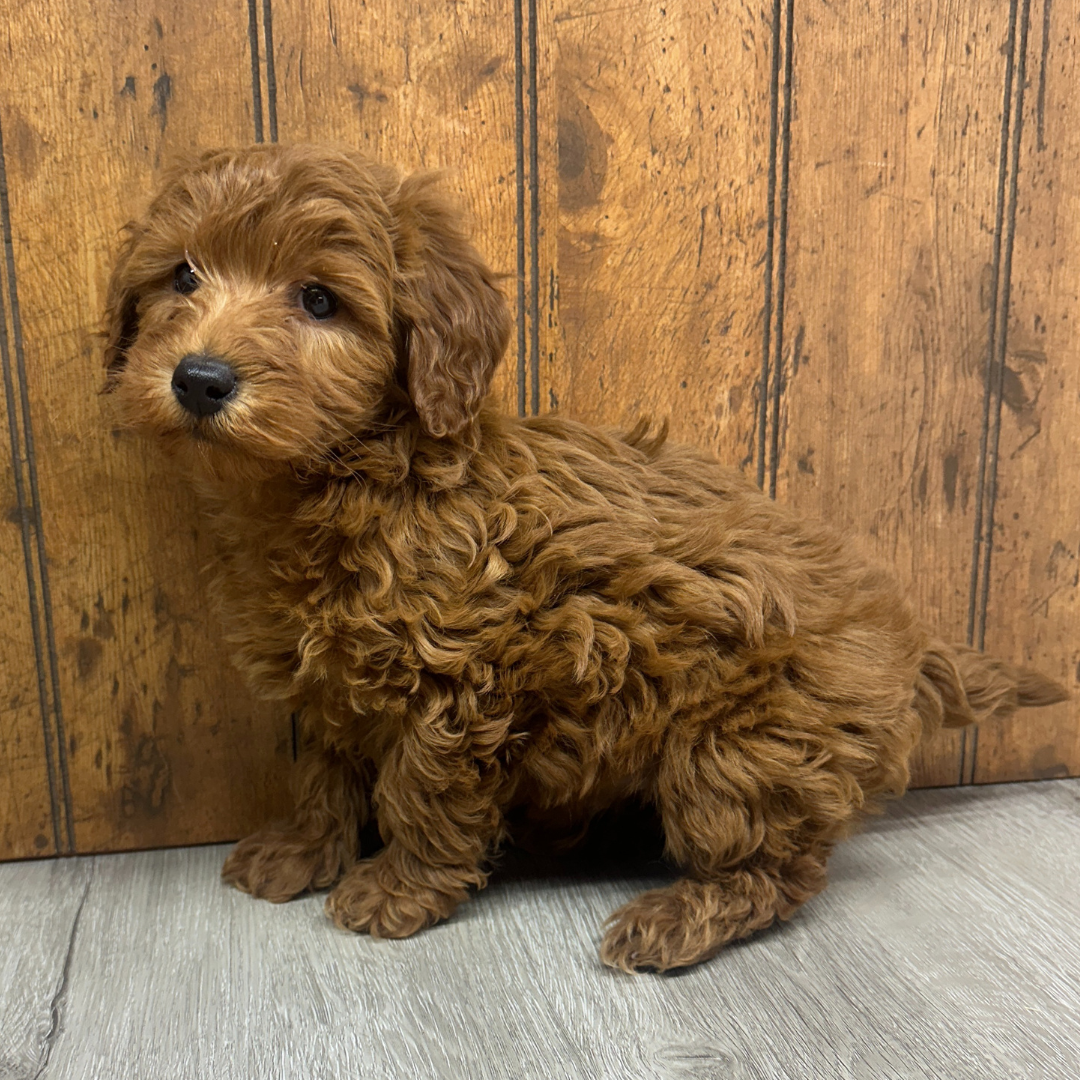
(958, 685)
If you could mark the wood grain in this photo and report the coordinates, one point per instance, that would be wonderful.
(663, 128)
(165, 746)
(943, 948)
(891, 211)
(1033, 612)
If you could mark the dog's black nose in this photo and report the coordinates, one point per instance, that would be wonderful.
(202, 384)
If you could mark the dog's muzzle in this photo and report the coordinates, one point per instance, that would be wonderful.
(203, 384)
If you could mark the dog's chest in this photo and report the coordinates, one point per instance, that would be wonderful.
(358, 617)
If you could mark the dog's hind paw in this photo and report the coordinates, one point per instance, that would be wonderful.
(675, 927)
(691, 921)
(648, 934)
(277, 864)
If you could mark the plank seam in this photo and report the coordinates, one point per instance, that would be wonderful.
(271, 114)
(519, 147)
(24, 526)
(1003, 335)
(271, 76)
(1012, 122)
(32, 534)
(781, 255)
(995, 284)
(256, 81)
(770, 231)
(534, 214)
(1040, 108)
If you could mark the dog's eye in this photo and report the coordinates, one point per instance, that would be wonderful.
(185, 280)
(319, 302)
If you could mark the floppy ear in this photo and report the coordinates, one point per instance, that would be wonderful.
(121, 314)
(453, 321)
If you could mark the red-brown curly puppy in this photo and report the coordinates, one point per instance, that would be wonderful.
(480, 614)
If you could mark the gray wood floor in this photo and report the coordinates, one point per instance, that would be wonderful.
(946, 947)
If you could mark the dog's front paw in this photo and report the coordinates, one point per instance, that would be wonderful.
(279, 863)
(372, 898)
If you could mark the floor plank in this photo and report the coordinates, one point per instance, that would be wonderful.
(945, 947)
(40, 906)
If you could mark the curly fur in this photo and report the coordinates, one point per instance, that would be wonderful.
(485, 617)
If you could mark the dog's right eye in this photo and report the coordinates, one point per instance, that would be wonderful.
(319, 302)
(185, 280)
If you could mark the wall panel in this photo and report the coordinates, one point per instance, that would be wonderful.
(834, 247)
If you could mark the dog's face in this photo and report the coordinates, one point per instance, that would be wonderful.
(275, 301)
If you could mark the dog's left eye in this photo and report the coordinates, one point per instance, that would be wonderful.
(319, 302)
(185, 280)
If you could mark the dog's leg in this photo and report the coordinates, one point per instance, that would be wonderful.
(692, 920)
(317, 845)
(440, 819)
(752, 852)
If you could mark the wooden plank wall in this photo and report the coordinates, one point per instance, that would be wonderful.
(832, 245)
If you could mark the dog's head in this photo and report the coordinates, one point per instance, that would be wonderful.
(275, 301)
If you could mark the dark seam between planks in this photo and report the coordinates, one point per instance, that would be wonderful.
(256, 86)
(24, 524)
(271, 113)
(995, 288)
(519, 147)
(1040, 110)
(999, 373)
(32, 537)
(983, 538)
(271, 77)
(781, 255)
(1006, 296)
(35, 507)
(534, 215)
(770, 227)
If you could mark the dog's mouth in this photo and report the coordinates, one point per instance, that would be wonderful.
(209, 431)
(203, 432)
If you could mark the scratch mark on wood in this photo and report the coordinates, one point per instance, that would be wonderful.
(162, 94)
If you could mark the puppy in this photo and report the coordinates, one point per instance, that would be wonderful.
(485, 618)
